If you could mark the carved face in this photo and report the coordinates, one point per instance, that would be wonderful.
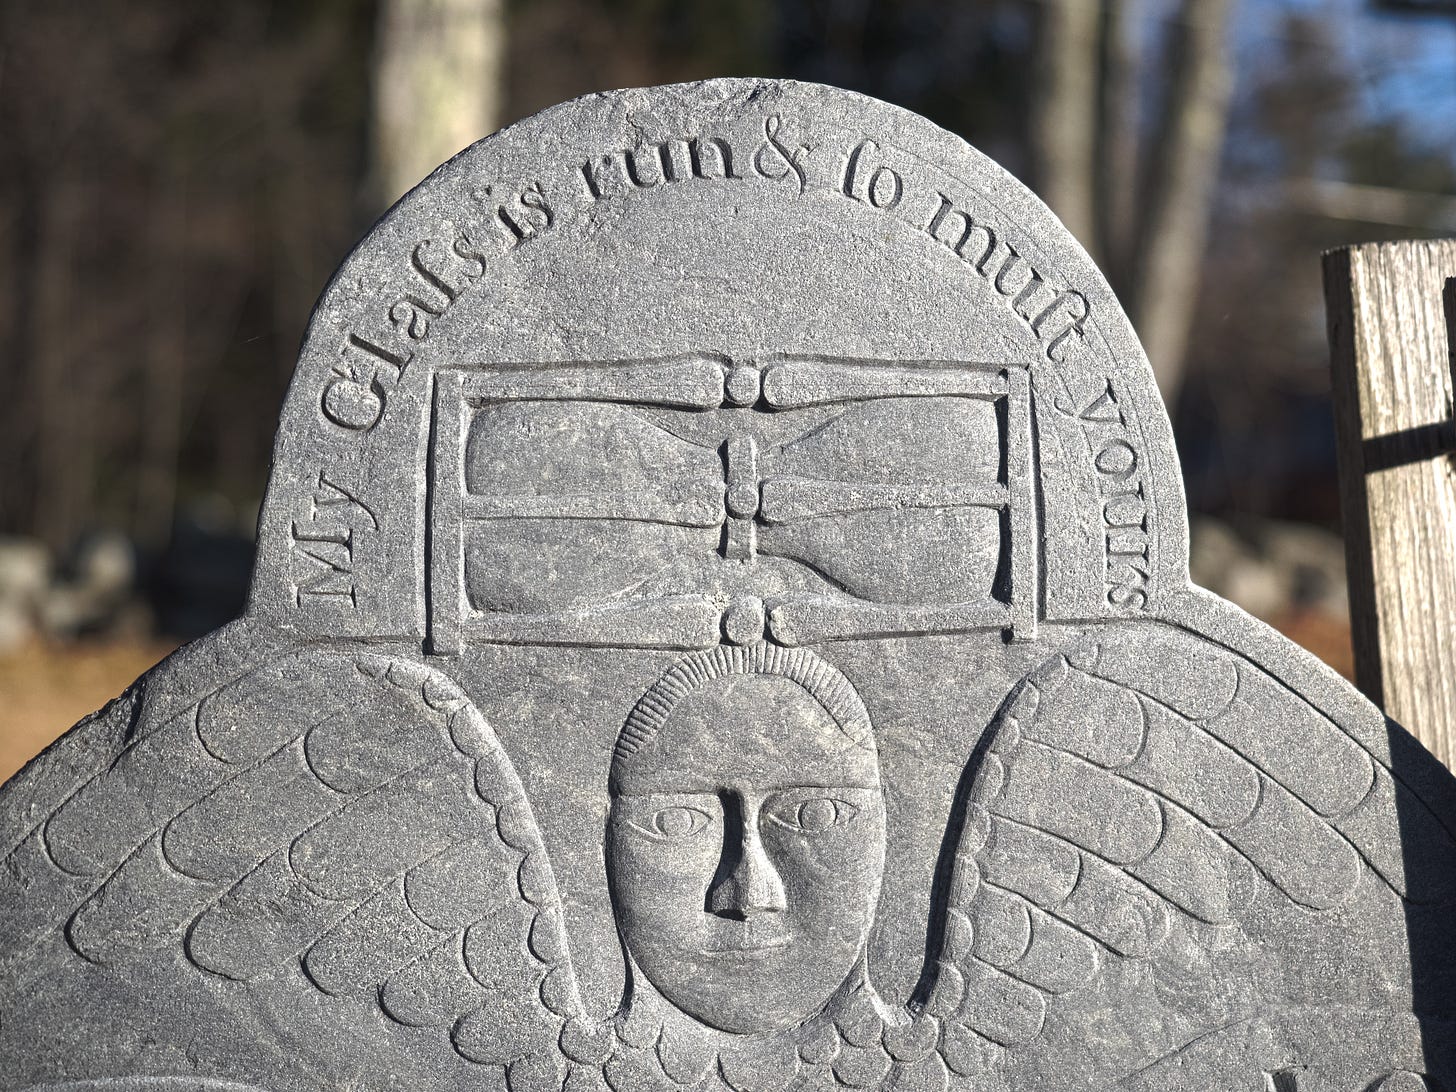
(744, 848)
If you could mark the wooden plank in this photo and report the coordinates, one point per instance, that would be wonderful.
(1391, 309)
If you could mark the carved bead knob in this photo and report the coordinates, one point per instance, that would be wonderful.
(742, 385)
(743, 621)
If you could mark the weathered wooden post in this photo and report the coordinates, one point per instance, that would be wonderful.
(1392, 325)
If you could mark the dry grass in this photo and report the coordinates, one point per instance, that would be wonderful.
(1326, 635)
(45, 688)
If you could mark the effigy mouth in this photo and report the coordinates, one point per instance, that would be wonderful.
(748, 937)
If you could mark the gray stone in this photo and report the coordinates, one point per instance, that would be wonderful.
(722, 620)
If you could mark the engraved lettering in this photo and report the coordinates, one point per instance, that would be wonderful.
(969, 225)
(677, 160)
(722, 159)
(412, 315)
(354, 399)
(851, 167)
(331, 551)
(352, 404)
(1008, 264)
(1074, 327)
(883, 186)
(395, 360)
(1118, 460)
(642, 541)
(1120, 595)
(468, 249)
(1120, 544)
(590, 173)
(533, 197)
(886, 188)
(775, 160)
(1065, 297)
(1021, 304)
(531, 216)
(1126, 510)
(1128, 569)
(1015, 278)
(331, 495)
(1103, 409)
(433, 279)
(635, 174)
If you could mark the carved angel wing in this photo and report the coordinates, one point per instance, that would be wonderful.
(1148, 780)
(350, 817)
(1145, 786)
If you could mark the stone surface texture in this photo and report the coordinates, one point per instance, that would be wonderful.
(722, 620)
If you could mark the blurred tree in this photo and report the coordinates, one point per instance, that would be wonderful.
(1254, 425)
(1420, 7)
(437, 86)
(564, 48)
(1179, 189)
(964, 66)
(178, 180)
(1067, 112)
(1146, 228)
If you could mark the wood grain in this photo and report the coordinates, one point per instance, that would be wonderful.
(1391, 309)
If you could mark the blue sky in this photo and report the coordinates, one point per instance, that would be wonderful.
(1405, 65)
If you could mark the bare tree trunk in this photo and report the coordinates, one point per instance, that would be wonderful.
(165, 368)
(1117, 139)
(1064, 112)
(1184, 170)
(437, 86)
(19, 498)
(62, 473)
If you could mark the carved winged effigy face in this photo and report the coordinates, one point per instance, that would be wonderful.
(746, 838)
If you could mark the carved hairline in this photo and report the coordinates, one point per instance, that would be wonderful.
(822, 681)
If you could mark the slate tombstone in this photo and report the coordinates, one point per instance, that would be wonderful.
(721, 620)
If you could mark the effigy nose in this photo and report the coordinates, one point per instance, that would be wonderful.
(752, 885)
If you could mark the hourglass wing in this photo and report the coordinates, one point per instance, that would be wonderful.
(594, 506)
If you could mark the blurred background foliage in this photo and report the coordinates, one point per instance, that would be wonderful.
(178, 180)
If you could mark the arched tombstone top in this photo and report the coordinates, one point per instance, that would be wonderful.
(722, 621)
(698, 245)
